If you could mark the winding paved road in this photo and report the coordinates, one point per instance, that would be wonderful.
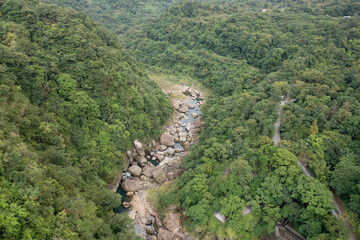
(336, 199)
(276, 138)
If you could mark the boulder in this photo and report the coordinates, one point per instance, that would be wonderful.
(172, 131)
(190, 238)
(162, 147)
(170, 175)
(135, 170)
(139, 147)
(184, 109)
(129, 155)
(165, 234)
(144, 220)
(115, 183)
(141, 160)
(148, 221)
(172, 222)
(170, 151)
(126, 205)
(150, 230)
(176, 105)
(132, 214)
(157, 223)
(191, 106)
(167, 140)
(159, 175)
(182, 139)
(188, 126)
(130, 194)
(148, 170)
(182, 134)
(134, 153)
(220, 217)
(127, 161)
(166, 161)
(194, 115)
(140, 204)
(130, 185)
(197, 123)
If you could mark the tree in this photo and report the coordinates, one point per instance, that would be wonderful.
(67, 85)
(314, 128)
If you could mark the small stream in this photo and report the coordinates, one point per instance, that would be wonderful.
(124, 197)
(153, 160)
(196, 110)
(181, 124)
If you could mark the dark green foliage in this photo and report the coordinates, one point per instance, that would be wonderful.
(117, 15)
(249, 59)
(71, 102)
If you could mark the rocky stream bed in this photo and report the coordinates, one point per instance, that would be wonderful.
(156, 163)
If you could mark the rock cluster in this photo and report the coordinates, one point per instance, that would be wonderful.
(141, 174)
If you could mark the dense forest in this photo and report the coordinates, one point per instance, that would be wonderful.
(249, 59)
(73, 101)
(118, 15)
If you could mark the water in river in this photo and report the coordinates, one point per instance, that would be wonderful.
(188, 119)
(196, 110)
(125, 198)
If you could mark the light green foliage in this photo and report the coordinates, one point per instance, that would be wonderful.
(67, 85)
(232, 206)
(316, 159)
(314, 128)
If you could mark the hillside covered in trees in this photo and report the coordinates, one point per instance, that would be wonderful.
(118, 15)
(249, 59)
(72, 102)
